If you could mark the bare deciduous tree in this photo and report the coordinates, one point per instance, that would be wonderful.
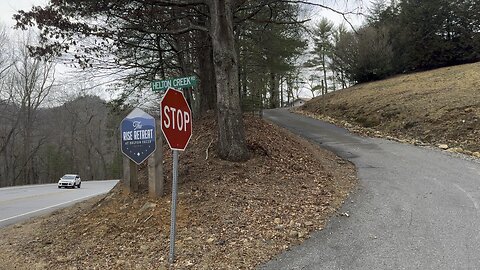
(31, 80)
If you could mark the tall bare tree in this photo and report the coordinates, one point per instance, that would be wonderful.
(31, 80)
(6, 131)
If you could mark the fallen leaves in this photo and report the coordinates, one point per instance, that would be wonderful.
(230, 215)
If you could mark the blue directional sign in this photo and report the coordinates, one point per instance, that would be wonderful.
(138, 135)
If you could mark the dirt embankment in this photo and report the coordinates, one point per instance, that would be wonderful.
(435, 107)
(230, 215)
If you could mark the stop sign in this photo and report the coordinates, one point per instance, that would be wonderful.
(176, 118)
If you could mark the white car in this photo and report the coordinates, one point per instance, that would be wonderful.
(70, 180)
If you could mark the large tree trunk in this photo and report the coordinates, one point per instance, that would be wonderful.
(273, 91)
(208, 93)
(232, 143)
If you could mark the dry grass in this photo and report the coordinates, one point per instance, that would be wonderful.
(439, 106)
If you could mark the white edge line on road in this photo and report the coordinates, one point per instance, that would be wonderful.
(48, 207)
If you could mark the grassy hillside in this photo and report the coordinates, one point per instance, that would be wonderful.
(439, 107)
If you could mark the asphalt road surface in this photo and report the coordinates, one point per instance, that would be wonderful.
(415, 208)
(23, 202)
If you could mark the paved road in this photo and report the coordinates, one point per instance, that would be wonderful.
(20, 203)
(415, 208)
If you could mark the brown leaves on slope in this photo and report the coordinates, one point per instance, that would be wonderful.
(230, 215)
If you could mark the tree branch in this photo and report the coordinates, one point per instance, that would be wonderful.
(343, 14)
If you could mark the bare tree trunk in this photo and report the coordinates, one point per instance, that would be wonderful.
(289, 91)
(323, 96)
(103, 171)
(273, 91)
(32, 82)
(27, 169)
(334, 80)
(232, 143)
(344, 84)
(324, 73)
(11, 162)
(281, 92)
(208, 93)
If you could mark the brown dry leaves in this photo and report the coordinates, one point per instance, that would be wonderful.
(230, 215)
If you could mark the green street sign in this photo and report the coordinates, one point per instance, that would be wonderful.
(177, 83)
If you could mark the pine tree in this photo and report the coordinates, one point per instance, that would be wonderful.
(322, 49)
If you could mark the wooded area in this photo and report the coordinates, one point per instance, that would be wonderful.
(80, 136)
(248, 55)
(410, 35)
(149, 40)
(39, 143)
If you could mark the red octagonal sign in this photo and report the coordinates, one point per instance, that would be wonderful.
(176, 118)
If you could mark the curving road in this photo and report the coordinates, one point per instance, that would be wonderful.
(23, 202)
(415, 208)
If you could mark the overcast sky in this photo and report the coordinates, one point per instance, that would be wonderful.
(9, 7)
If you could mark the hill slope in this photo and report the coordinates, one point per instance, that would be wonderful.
(230, 215)
(438, 107)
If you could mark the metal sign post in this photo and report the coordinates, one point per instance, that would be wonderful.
(173, 227)
(176, 124)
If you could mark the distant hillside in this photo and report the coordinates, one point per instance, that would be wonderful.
(80, 136)
(439, 107)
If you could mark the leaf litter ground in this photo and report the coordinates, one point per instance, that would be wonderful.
(230, 215)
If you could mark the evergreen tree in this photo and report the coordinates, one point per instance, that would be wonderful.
(408, 35)
(268, 53)
(322, 49)
(340, 57)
